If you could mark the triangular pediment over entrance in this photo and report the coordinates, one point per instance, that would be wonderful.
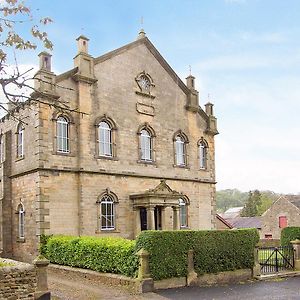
(162, 195)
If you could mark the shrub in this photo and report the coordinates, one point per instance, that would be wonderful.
(113, 255)
(215, 251)
(289, 234)
(43, 243)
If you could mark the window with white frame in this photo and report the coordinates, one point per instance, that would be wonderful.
(62, 135)
(202, 148)
(146, 145)
(107, 213)
(183, 213)
(180, 151)
(20, 141)
(105, 139)
(21, 221)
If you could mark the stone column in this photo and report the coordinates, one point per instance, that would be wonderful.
(42, 291)
(176, 218)
(150, 218)
(163, 218)
(256, 269)
(296, 246)
(191, 274)
(137, 221)
(144, 280)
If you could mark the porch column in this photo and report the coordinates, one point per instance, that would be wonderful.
(150, 218)
(137, 221)
(176, 218)
(163, 218)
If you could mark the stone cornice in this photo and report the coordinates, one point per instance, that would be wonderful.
(104, 172)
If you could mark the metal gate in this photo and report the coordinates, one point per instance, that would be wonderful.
(275, 259)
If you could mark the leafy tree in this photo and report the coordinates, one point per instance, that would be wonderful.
(251, 207)
(14, 82)
(230, 198)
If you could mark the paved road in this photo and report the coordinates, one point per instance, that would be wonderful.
(287, 289)
(65, 287)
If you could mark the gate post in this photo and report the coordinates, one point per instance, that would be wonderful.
(144, 280)
(256, 268)
(296, 246)
(191, 274)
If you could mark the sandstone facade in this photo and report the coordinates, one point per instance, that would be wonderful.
(65, 188)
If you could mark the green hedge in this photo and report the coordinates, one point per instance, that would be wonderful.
(109, 255)
(215, 251)
(289, 234)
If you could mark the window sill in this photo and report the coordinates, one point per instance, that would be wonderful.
(63, 154)
(20, 158)
(146, 162)
(20, 240)
(100, 231)
(185, 228)
(106, 157)
(181, 166)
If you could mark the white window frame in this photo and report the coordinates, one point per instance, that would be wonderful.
(180, 151)
(20, 141)
(107, 220)
(202, 156)
(105, 139)
(62, 135)
(183, 213)
(21, 222)
(146, 142)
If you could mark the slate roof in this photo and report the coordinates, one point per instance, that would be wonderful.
(294, 200)
(245, 222)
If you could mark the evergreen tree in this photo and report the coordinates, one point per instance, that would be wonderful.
(251, 207)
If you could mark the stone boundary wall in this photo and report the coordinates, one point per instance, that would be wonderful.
(18, 281)
(106, 278)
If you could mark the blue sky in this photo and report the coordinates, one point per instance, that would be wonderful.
(244, 53)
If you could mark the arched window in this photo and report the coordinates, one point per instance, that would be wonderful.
(146, 145)
(107, 212)
(183, 213)
(105, 139)
(21, 221)
(180, 141)
(20, 141)
(202, 148)
(62, 135)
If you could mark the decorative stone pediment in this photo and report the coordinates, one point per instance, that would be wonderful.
(161, 195)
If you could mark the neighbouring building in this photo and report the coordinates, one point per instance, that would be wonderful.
(139, 155)
(222, 224)
(285, 211)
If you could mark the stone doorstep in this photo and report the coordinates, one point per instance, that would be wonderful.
(278, 275)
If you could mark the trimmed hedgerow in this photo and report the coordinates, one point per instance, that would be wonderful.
(289, 234)
(215, 251)
(109, 255)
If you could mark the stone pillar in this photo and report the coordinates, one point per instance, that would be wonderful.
(150, 218)
(191, 274)
(137, 221)
(42, 291)
(163, 218)
(176, 218)
(256, 269)
(144, 280)
(296, 246)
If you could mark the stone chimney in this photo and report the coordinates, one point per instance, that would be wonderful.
(193, 97)
(212, 120)
(45, 79)
(84, 62)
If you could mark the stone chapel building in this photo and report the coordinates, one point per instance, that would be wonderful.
(139, 155)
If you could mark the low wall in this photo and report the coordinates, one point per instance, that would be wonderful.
(18, 281)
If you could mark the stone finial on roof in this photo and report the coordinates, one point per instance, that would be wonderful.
(142, 34)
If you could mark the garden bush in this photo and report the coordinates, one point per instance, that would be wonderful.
(215, 251)
(289, 234)
(109, 255)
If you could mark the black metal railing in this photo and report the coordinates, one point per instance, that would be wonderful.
(275, 259)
